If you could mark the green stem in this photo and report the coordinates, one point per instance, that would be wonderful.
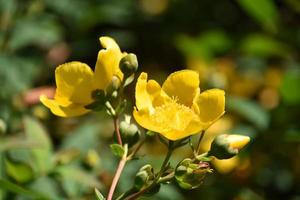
(199, 141)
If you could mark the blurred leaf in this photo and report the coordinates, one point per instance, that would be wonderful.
(263, 11)
(42, 155)
(4, 184)
(292, 135)
(47, 186)
(205, 46)
(262, 45)
(16, 74)
(99, 195)
(117, 149)
(83, 138)
(42, 31)
(290, 85)
(20, 172)
(9, 143)
(75, 180)
(250, 110)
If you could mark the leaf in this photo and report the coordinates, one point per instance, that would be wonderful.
(7, 185)
(42, 154)
(20, 172)
(117, 150)
(263, 45)
(206, 46)
(47, 186)
(250, 110)
(289, 88)
(263, 11)
(99, 196)
(82, 138)
(41, 31)
(76, 180)
(17, 75)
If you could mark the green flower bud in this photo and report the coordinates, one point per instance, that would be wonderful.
(226, 146)
(2, 127)
(189, 174)
(129, 132)
(98, 94)
(129, 64)
(144, 177)
(114, 85)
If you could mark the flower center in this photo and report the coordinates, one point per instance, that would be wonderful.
(174, 116)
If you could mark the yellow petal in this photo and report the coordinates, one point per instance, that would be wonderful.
(192, 128)
(62, 109)
(237, 141)
(183, 85)
(227, 165)
(144, 119)
(74, 81)
(211, 104)
(148, 94)
(107, 63)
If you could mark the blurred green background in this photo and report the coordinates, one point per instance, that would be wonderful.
(250, 48)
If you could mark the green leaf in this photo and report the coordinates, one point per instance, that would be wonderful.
(99, 196)
(82, 138)
(17, 75)
(206, 46)
(250, 110)
(41, 31)
(263, 11)
(4, 184)
(20, 172)
(47, 186)
(75, 180)
(290, 85)
(42, 154)
(117, 150)
(263, 45)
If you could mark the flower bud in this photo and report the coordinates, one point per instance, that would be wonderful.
(98, 95)
(129, 132)
(144, 176)
(226, 146)
(189, 174)
(2, 127)
(129, 64)
(114, 85)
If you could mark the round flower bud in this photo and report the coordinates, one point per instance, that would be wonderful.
(98, 95)
(114, 85)
(144, 176)
(129, 64)
(226, 146)
(189, 174)
(129, 132)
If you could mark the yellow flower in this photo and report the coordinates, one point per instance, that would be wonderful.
(177, 109)
(75, 81)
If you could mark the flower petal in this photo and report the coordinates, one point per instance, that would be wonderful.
(144, 119)
(107, 63)
(74, 83)
(62, 109)
(194, 127)
(183, 85)
(211, 104)
(148, 94)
